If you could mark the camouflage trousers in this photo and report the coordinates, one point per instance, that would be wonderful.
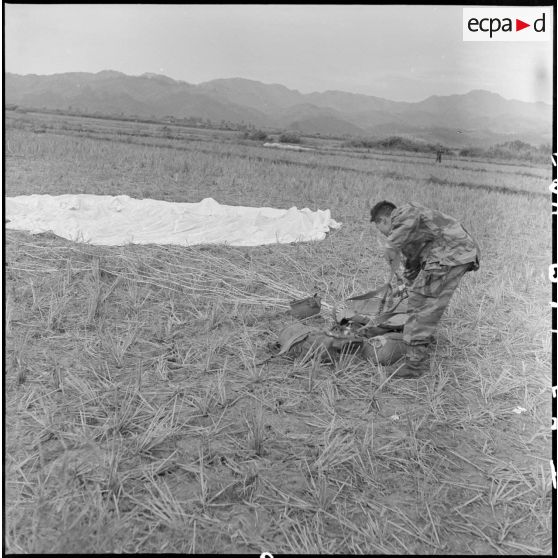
(429, 296)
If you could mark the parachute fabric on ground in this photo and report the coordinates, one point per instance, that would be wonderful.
(120, 220)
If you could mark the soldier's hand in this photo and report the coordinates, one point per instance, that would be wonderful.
(393, 258)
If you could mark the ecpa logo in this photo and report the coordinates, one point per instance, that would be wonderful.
(507, 24)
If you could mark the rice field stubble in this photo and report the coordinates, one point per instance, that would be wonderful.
(138, 420)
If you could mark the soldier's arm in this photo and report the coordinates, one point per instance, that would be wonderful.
(405, 225)
(476, 263)
(393, 258)
(405, 237)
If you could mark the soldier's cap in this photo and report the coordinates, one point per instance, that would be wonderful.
(381, 207)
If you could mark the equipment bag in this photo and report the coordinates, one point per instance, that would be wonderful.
(362, 328)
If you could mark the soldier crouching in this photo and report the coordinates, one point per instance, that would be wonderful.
(437, 252)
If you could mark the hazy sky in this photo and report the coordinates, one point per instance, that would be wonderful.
(402, 52)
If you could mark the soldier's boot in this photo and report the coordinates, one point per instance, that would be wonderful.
(417, 362)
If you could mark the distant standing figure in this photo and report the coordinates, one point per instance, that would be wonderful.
(439, 155)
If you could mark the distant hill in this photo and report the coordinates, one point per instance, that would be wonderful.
(476, 118)
(326, 125)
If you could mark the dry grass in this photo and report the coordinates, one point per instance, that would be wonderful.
(137, 419)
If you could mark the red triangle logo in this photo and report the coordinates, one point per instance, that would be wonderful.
(519, 25)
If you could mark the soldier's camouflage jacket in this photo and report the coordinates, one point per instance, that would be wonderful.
(429, 239)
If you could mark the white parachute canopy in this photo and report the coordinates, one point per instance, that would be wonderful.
(119, 220)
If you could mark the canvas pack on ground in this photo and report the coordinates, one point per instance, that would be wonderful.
(368, 325)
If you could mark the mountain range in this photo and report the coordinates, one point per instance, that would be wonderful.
(478, 118)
